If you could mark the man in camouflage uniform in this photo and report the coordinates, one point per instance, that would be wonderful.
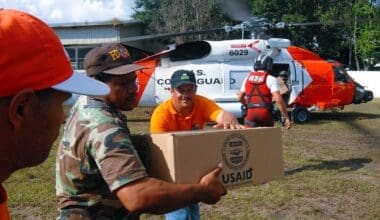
(99, 173)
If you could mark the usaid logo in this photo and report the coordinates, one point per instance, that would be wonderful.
(235, 151)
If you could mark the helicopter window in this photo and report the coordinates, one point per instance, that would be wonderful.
(191, 50)
(237, 78)
(277, 68)
(340, 75)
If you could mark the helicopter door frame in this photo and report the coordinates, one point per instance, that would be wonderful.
(287, 66)
(300, 79)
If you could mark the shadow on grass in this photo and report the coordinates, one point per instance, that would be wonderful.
(316, 117)
(351, 164)
(138, 119)
(350, 118)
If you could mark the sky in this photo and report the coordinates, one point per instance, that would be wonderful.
(69, 11)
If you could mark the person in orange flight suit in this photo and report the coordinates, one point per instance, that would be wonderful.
(258, 91)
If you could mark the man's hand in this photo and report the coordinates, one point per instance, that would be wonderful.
(241, 97)
(282, 107)
(287, 123)
(214, 189)
(226, 120)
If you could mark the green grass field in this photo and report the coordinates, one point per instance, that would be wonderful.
(332, 171)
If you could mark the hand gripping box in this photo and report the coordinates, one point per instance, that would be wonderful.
(249, 156)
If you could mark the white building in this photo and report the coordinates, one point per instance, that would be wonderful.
(79, 38)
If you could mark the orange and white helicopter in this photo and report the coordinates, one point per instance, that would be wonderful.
(221, 66)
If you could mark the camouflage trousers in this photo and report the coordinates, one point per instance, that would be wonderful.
(89, 213)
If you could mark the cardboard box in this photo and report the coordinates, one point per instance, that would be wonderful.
(249, 156)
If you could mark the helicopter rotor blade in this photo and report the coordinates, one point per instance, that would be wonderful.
(168, 35)
(282, 25)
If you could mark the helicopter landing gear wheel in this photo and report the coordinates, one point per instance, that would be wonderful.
(300, 115)
(368, 96)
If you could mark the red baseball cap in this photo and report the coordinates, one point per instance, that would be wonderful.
(33, 57)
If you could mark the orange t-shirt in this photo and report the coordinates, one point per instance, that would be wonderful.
(165, 117)
(4, 212)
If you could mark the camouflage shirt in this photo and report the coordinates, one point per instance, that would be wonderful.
(95, 157)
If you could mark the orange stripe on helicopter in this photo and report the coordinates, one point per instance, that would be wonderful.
(298, 53)
(145, 75)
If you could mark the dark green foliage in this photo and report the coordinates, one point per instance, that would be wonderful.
(173, 16)
(350, 35)
(356, 34)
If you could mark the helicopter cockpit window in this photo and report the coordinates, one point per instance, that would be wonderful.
(191, 50)
(340, 74)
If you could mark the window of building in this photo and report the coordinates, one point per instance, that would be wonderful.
(76, 55)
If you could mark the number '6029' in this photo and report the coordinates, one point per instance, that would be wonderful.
(238, 52)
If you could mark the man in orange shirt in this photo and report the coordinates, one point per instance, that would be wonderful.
(36, 78)
(188, 111)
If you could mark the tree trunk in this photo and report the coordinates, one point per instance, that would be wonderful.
(355, 46)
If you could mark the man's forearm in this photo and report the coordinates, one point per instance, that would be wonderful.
(281, 105)
(155, 196)
(283, 110)
(158, 197)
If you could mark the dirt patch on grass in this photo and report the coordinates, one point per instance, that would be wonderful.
(25, 213)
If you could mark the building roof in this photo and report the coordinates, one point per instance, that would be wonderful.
(91, 33)
(114, 22)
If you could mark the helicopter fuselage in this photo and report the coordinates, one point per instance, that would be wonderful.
(221, 66)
